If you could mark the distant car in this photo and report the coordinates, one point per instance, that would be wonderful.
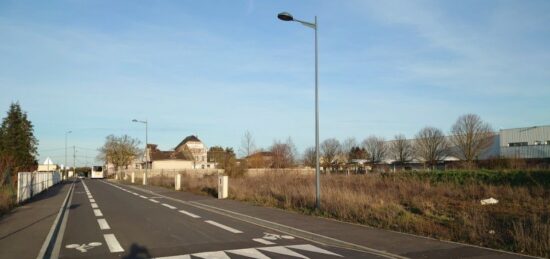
(81, 175)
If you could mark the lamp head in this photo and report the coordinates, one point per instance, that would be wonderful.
(284, 16)
(134, 120)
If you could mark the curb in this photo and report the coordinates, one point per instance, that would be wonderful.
(48, 247)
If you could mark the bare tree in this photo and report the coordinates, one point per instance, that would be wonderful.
(347, 145)
(248, 146)
(471, 136)
(376, 148)
(431, 145)
(119, 151)
(330, 148)
(310, 157)
(284, 153)
(401, 149)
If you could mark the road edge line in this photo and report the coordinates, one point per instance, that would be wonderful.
(55, 225)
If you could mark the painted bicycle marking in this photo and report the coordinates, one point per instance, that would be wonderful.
(84, 247)
(269, 236)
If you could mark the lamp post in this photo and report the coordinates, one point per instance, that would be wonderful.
(65, 166)
(284, 16)
(146, 143)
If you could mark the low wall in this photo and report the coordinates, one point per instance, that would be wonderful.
(30, 184)
(169, 172)
(262, 171)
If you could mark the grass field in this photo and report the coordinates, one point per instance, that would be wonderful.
(443, 205)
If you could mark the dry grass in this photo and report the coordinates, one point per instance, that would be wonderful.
(520, 222)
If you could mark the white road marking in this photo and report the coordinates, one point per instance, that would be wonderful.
(98, 213)
(94, 205)
(143, 196)
(175, 257)
(251, 252)
(230, 229)
(216, 255)
(190, 214)
(312, 248)
(281, 250)
(168, 206)
(112, 243)
(92, 200)
(103, 224)
(155, 201)
(263, 241)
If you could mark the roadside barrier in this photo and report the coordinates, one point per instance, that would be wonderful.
(30, 184)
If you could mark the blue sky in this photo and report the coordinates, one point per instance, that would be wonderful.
(220, 68)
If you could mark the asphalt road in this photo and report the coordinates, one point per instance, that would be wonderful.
(114, 221)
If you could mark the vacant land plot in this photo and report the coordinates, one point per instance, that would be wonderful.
(444, 205)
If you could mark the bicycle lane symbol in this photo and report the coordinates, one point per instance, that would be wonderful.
(84, 247)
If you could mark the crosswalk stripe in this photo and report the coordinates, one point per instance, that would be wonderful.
(312, 248)
(211, 255)
(252, 253)
(281, 250)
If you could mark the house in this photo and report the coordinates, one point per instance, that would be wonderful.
(190, 153)
(47, 166)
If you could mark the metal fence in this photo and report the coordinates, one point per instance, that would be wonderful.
(31, 184)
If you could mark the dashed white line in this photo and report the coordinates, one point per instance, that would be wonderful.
(155, 201)
(168, 206)
(103, 224)
(190, 214)
(92, 200)
(263, 241)
(112, 243)
(98, 213)
(94, 205)
(230, 229)
(143, 196)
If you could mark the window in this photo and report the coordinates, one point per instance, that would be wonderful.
(517, 144)
(548, 142)
(538, 142)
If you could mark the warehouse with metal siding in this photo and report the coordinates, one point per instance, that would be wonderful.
(529, 142)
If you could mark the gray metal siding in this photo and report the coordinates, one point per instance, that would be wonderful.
(529, 135)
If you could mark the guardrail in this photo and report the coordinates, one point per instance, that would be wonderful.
(30, 184)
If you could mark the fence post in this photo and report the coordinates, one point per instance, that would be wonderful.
(133, 177)
(144, 178)
(223, 184)
(178, 182)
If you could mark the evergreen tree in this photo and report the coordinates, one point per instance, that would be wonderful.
(17, 141)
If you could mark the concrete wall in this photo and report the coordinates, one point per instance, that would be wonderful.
(262, 171)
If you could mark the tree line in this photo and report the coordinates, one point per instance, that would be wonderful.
(467, 139)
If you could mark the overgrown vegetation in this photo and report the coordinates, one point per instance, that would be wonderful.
(17, 153)
(444, 205)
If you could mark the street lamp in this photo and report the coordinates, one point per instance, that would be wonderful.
(146, 143)
(65, 166)
(284, 16)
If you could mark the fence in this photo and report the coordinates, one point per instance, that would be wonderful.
(31, 184)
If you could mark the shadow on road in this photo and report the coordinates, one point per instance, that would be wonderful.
(137, 251)
(29, 225)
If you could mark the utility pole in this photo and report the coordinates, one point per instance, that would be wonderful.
(74, 160)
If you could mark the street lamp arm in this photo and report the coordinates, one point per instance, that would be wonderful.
(307, 24)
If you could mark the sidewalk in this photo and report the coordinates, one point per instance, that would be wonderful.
(396, 243)
(23, 230)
